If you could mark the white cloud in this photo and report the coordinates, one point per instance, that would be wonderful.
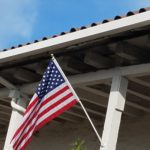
(17, 18)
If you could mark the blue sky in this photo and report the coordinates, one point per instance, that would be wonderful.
(25, 21)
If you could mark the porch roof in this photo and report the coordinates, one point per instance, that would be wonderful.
(89, 56)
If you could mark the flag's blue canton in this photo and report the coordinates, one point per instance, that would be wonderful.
(51, 79)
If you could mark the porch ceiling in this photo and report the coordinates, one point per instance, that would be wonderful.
(94, 61)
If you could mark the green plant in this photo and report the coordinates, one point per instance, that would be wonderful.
(78, 145)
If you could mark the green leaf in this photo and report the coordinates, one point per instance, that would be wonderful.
(78, 145)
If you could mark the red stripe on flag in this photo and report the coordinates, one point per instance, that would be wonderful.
(46, 110)
(47, 100)
(34, 102)
(20, 138)
(25, 121)
(31, 105)
(56, 114)
(24, 136)
(55, 95)
(55, 104)
(60, 111)
(41, 111)
(66, 107)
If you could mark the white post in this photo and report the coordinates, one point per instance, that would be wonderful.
(16, 117)
(115, 108)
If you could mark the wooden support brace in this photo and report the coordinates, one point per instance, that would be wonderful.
(131, 52)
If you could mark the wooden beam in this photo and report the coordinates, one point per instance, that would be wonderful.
(3, 123)
(87, 94)
(131, 111)
(4, 100)
(96, 60)
(6, 83)
(76, 114)
(139, 81)
(64, 62)
(90, 78)
(5, 113)
(102, 76)
(26, 75)
(139, 90)
(91, 111)
(137, 106)
(67, 118)
(40, 67)
(4, 92)
(139, 95)
(130, 52)
(4, 119)
(78, 111)
(5, 107)
(95, 91)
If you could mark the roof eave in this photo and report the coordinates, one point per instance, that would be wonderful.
(53, 44)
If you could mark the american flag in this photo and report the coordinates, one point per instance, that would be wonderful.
(53, 96)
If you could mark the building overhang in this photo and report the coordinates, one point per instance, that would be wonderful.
(90, 58)
(101, 31)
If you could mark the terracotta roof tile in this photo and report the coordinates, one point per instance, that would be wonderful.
(73, 29)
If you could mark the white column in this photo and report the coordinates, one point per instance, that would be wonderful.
(115, 108)
(16, 117)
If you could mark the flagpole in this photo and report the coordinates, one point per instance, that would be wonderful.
(92, 124)
(87, 115)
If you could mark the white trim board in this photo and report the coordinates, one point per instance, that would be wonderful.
(112, 27)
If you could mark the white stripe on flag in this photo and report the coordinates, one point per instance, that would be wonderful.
(49, 113)
(49, 94)
(50, 103)
(58, 107)
(30, 133)
(54, 91)
(19, 135)
(35, 96)
(29, 112)
(24, 124)
(54, 100)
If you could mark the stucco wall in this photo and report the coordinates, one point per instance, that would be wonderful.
(134, 135)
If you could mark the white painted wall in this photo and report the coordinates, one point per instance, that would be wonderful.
(134, 135)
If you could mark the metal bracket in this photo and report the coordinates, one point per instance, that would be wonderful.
(15, 93)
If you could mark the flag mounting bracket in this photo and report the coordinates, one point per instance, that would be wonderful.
(10, 86)
(15, 95)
